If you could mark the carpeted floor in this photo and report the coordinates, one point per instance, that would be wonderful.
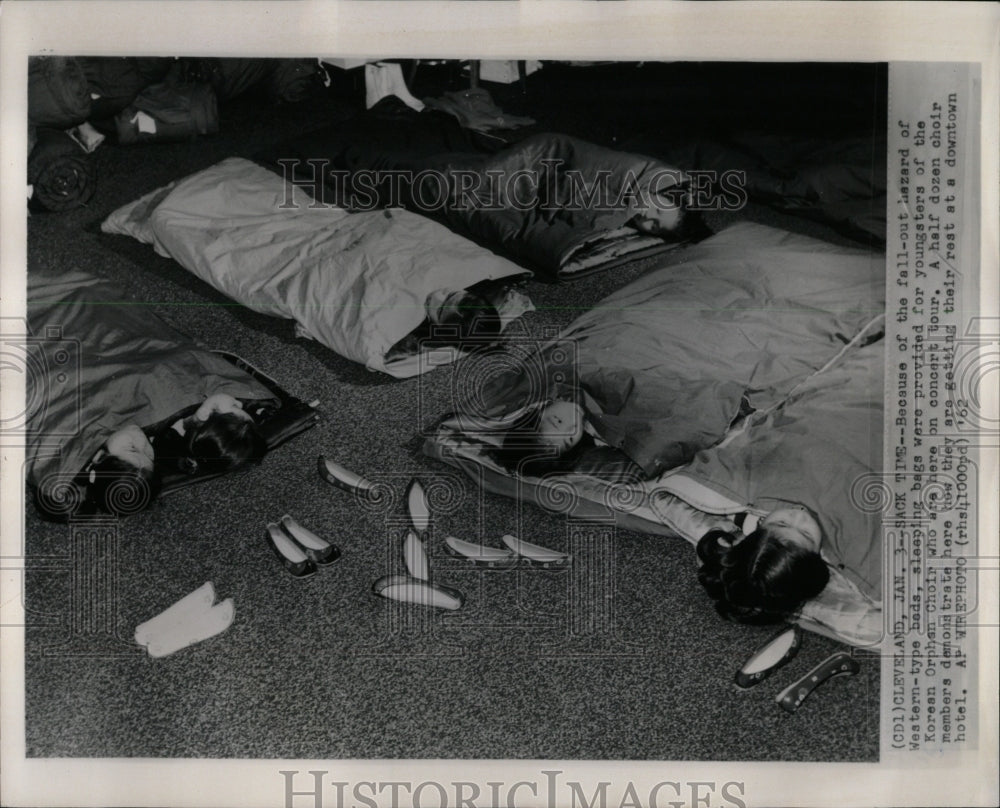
(621, 657)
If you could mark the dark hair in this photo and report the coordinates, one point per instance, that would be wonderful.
(221, 443)
(761, 579)
(690, 224)
(120, 488)
(523, 451)
(472, 319)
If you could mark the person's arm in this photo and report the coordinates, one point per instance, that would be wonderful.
(221, 403)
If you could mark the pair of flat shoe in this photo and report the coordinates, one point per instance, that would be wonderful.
(777, 652)
(416, 585)
(298, 549)
(514, 552)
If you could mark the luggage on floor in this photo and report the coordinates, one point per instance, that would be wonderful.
(58, 92)
(292, 79)
(169, 112)
(114, 80)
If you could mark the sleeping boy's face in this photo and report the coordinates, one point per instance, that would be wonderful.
(560, 425)
(661, 218)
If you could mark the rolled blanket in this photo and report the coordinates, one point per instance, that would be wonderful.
(60, 172)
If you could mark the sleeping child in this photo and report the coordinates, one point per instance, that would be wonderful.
(125, 475)
(560, 437)
(464, 319)
(667, 215)
(557, 438)
(767, 575)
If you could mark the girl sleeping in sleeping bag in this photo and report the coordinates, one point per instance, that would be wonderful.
(762, 577)
(558, 437)
(771, 333)
(359, 283)
(805, 465)
(125, 474)
(767, 575)
(119, 399)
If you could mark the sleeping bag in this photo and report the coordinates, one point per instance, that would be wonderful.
(837, 180)
(167, 112)
(291, 80)
(818, 449)
(114, 82)
(58, 93)
(358, 283)
(552, 203)
(792, 325)
(98, 362)
(663, 365)
(283, 79)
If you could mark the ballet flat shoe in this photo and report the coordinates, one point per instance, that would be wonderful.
(341, 478)
(769, 657)
(317, 550)
(291, 556)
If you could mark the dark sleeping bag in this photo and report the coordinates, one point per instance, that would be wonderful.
(61, 173)
(230, 77)
(100, 362)
(288, 80)
(58, 93)
(389, 137)
(548, 202)
(292, 80)
(555, 197)
(839, 180)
